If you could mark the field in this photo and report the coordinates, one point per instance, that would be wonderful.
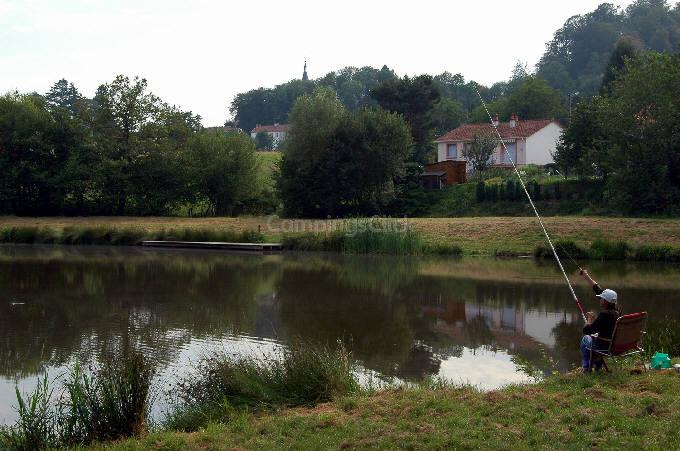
(476, 236)
(569, 412)
(268, 162)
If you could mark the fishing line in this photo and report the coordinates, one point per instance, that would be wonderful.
(540, 221)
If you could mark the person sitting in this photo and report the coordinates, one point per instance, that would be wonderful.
(602, 325)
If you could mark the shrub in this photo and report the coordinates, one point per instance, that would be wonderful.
(564, 248)
(608, 250)
(656, 253)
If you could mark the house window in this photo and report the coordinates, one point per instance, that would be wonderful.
(510, 153)
(452, 152)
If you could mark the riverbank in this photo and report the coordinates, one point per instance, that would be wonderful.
(475, 236)
(575, 411)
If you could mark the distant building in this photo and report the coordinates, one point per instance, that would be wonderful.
(277, 132)
(526, 141)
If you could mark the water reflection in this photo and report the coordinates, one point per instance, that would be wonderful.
(404, 317)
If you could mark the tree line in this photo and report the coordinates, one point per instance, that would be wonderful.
(125, 151)
(571, 68)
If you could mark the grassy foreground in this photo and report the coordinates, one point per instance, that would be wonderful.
(570, 411)
(476, 236)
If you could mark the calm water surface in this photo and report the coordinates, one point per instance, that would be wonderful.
(471, 320)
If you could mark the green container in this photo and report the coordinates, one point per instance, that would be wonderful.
(660, 361)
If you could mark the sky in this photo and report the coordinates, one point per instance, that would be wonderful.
(198, 54)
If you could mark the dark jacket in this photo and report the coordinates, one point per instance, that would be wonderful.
(603, 324)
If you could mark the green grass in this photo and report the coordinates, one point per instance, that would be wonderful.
(268, 166)
(569, 412)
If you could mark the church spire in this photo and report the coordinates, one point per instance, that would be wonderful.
(304, 73)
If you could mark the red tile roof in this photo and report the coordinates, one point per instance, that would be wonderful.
(523, 129)
(271, 128)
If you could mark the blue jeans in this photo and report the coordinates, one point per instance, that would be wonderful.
(586, 345)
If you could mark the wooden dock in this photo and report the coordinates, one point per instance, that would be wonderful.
(243, 247)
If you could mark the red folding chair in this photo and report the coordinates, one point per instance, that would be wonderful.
(625, 341)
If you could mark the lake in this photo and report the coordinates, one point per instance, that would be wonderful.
(470, 320)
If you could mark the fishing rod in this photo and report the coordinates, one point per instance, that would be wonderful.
(540, 221)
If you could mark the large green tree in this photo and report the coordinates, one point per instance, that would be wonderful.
(641, 120)
(222, 169)
(415, 99)
(337, 162)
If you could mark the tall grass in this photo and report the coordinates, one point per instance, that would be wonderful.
(609, 250)
(118, 236)
(36, 426)
(368, 236)
(301, 374)
(380, 236)
(663, 337)
(109, 402)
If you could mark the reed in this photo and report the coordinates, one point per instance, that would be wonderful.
(108, 402)
(663, 337)
(381, 236)
(300, 374)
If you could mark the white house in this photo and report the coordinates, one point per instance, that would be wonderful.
(526, 142)
(277, 132)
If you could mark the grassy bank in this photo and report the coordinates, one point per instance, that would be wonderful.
(307, 396)
(475, 236)
(570, 411)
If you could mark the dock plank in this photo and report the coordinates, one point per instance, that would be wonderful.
(253, 247)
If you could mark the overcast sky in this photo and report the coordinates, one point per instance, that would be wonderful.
(198, 54)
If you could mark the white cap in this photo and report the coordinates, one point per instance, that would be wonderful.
(608, 295)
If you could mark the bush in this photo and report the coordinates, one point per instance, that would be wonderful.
(564, 248)
(657, 253)
(301, 374)
(608, 250)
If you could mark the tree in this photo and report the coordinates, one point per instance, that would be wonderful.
(447, 114)
(533, 98)
(222, 168)
(479, 152)
(337, 162)
(313, 121)
(414, 98)
(581, 148)
(641, 120)
(625, 48)
(264, 141)
(64, 96)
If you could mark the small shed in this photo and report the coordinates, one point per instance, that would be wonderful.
(442, 174)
